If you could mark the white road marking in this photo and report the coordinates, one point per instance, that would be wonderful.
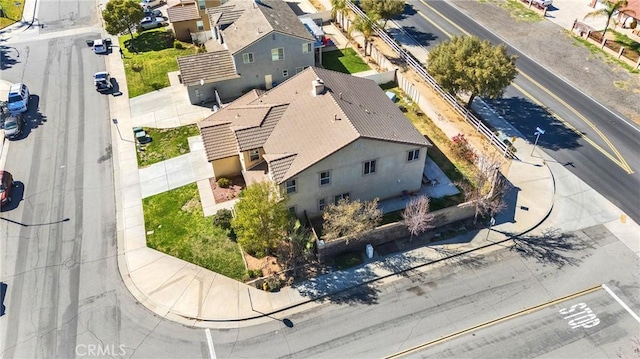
(626, 307)
(212, 351)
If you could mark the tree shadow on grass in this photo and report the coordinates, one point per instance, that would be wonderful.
(150, 41)
(526, 116)
(551, 247)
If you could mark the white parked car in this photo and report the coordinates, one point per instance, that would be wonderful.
(99, 47)
(146, 4)
(543, 2)
(151, 23)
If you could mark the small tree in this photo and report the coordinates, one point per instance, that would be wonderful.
(611, 8)
(468, 64)
(297, 247)
(339, 10)
(261, 218)
(364, 25)
(486, 187)
(122, 16)
(350, 218)
(385, 9)
(416, 216)
(223, 218)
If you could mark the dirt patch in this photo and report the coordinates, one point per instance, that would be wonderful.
(226, 194)
(268, 265)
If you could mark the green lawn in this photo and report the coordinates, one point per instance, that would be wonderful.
(179, 229)
(347, 61)
(627, 42)
(166, 143)
(147, 70)
(519, 11)
(11, 13)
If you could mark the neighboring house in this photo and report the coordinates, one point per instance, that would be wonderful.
(628, 13)
(321, 135)
(265, 44)
(190, 20)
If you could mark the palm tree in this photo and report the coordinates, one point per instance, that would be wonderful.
(366, 26)
(611, 8)
(339, 7)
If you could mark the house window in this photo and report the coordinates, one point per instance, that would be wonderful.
(200, 25)
(247, 58)
(299, 69)
(325, 178)
(322, 203)
(201, 4)
(306, 47)
(277, 54)
(254, 155)
(285, 73)
(292, 210)
(337, 198)
(291, 186)
(369, 167)
(413, 155)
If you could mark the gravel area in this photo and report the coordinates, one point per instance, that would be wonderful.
(554, 47)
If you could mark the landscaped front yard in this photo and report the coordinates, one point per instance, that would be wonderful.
(347, 61)
(166, 143)
(175, 225)
(155, 56)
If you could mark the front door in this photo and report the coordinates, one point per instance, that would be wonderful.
(268, 81)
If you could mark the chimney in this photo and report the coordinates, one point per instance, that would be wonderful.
(317, 87)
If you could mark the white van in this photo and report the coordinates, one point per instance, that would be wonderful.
(18, 98)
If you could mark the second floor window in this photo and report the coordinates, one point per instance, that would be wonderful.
(325, 178)
(201, 4)
(285, 73)
(290, 186)
(254, 155)
(200, 25)
(413, 155)
(247, 58)
(277, 54)
(306, 47)
(369, 167)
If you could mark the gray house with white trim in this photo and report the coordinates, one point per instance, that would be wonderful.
(255, 45)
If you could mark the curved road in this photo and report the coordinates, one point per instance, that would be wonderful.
(598, 145)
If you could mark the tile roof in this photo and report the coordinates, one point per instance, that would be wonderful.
(183, 12)
(221, 142)
(252, 20)
(632, 9)
(314, 127)
(211, 67)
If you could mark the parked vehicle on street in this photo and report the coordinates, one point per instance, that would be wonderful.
(151, 22)
(102, 81)
(543, 2)
(99, 47)
(13, 125)
(147, 4)
(6, 187)
(18, 100)
(153, 13)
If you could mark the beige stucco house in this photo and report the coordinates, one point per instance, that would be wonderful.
(190, 20)
(321, 135)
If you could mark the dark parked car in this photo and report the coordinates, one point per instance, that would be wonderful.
(13, 125)
(6, 186)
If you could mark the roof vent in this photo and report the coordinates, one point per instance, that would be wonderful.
(317, 87)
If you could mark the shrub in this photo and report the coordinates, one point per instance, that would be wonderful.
(222, 219)
(460, 146)
(224, 182)
(255, 273)
(273, 283)
(178, 45)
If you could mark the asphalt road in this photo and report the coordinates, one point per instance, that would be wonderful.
(64, 296)
(602, 147)
(380, 320)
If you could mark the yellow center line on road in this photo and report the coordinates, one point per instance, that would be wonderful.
(618, 159)
(492, 322)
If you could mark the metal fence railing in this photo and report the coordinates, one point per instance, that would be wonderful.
(417, 67)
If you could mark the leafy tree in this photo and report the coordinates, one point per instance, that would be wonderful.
(350, 218)
(416, 216)
(486, 187)
(466, 63)
(261, 218)
(223, 218)
(611, 8)
(339, 8)
(385, 9)
(122, 16)
(364, 25)
(296, 248)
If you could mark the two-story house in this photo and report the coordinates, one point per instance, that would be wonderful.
(255, 44)
(321, 135)
(190, 20)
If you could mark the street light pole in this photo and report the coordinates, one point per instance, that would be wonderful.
(538, 132)
(115, 122)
